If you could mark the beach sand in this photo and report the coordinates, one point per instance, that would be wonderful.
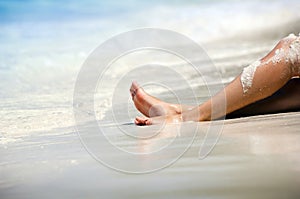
(255, 157)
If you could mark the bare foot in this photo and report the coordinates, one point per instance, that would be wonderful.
(151, 106)
(158, 120)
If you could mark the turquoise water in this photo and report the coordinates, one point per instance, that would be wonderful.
(44, 43)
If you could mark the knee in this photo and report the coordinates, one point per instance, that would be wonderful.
(294, 56)
(289, 49)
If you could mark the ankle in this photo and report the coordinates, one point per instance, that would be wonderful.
(176, 109)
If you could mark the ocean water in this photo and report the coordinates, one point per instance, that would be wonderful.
(45, 43)
(43, 47)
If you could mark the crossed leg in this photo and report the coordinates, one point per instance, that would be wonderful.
(268, 92)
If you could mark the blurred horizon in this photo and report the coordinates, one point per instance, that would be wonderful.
(44, 43)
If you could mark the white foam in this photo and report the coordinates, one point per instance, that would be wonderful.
(279, 54)
(291, 36)
(248, 75)
(294, 54)
(290, 54)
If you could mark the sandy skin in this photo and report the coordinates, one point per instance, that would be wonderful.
(269, 79)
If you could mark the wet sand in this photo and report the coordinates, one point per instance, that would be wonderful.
(255, 157)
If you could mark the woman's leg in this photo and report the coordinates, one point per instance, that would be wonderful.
(258, 81)
(285, 99)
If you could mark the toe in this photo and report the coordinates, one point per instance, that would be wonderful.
(133, 89)
(139, 121)
(134, 85)
(142, 121)
(148, 121)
